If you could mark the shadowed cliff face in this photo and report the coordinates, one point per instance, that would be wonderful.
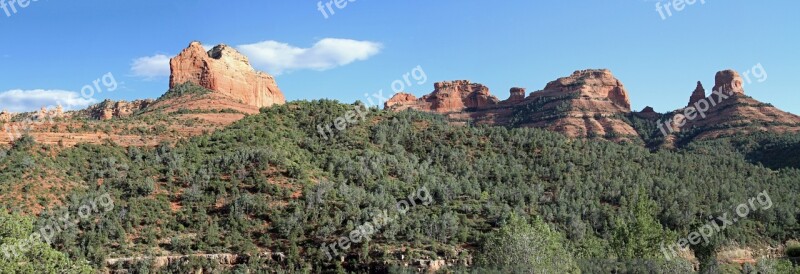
(225, 70)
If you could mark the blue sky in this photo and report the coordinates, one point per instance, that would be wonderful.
(52, 49)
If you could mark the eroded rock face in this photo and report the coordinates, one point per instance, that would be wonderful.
(453, 96)
(45, 113)
(728, 82)
(517, 95)
(698, 94)
(593, 83)
(6, 116)
(108, 109)
(400, 99)
(584, 104)
(738, 114)
(458, 95)
(225, 70)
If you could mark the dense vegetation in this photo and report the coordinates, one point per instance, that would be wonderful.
(270, 188)
(181, 90)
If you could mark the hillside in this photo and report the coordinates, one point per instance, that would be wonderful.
(269, 184)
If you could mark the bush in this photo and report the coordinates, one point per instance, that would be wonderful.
(23, 143)
(793, 250)
(519, 245)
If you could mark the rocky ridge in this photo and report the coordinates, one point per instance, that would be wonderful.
(108, 109)
(593, 103)
(583, 104)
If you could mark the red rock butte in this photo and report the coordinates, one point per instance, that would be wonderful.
(728, 82)
(594, 103)
(225, 70)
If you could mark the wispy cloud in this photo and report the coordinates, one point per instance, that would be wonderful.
(29, 100)
(151, 67)
(276, 57)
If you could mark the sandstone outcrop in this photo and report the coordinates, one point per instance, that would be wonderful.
(453, 96)
(402, 99)
(733, 113)
(728, 82)
(517, 95)
(698, 94)
(6, 116)
(115, 109)
(225, 70)
(586, 103)
(648, 113)
(593, 83)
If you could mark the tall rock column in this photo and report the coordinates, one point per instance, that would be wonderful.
(698, 94)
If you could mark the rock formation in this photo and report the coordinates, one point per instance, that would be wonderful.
(648, 113)
(698, 94)
(225, 70)
(454, 96)
(728, 82)
(585, 103)
(593, 83)
(401, 98)
(732, 113)
(112, 109)
(6, 116)
(517, 95)
(45, 114)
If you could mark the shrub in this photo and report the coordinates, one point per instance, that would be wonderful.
(519, 245)
(793, 250)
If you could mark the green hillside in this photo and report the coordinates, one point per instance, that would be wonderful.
(273, 191)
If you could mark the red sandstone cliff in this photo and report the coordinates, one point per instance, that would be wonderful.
(454, 96)
(225, 70)
(586, 103)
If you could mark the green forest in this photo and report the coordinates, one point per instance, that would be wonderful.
(273, 191)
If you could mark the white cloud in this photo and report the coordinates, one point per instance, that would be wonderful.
(151, 67)
(30, 100)
(276, 57)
